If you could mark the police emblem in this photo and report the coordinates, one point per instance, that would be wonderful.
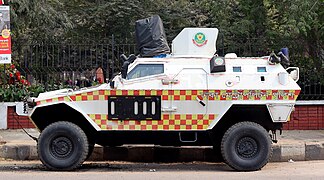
(199, 39)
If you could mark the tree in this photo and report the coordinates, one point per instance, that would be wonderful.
(34, 19)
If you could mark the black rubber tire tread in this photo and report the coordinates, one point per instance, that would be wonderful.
(78, 139)
(246, 129)
(90, 150)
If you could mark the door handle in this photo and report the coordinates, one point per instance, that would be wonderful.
(169, 81)
(169, 109)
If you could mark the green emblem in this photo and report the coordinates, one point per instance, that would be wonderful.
(199, 39)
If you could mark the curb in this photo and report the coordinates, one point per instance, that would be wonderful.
(281, 153)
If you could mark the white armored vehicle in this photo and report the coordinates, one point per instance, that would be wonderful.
(189, 97)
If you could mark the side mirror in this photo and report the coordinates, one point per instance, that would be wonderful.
(127, 61)
(124, 69)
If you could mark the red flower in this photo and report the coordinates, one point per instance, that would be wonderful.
(22, 81)
(10, 75)
(18, 74)
(12, 66)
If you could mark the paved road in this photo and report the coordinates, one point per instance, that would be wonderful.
(33, 170)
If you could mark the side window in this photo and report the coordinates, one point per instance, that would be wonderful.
(142, 70)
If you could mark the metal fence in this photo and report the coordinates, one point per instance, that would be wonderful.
(73, 64)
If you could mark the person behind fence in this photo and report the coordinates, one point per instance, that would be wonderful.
(100, 75)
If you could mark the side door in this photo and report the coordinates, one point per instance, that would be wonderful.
(188, 100)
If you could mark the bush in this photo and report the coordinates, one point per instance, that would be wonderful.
(13, 86)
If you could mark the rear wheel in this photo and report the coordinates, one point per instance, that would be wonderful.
(246, 146)
(62, 146)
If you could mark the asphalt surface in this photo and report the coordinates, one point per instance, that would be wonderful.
(292, 146)
(33, 170)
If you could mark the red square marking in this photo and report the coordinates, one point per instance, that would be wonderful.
(84, 98)
(73, 98)
(124, 92)
(188, 116)
(112, 92)
(165, 97)
(159, 92)
(101, 92)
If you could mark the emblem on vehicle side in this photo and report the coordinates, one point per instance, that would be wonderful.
(200, 39)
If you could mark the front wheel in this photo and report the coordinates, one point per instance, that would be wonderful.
(246, 146)
(62, 146)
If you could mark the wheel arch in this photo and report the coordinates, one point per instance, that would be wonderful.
(238, 113)
(44, 115)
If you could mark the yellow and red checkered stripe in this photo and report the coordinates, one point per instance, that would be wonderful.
(168, 122)
(183, 95)
(57, 99)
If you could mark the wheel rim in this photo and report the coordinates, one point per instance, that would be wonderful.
(61, 147)
(247, 148)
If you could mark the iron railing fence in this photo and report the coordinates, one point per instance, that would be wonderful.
(54, 63)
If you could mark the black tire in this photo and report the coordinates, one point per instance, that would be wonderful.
(246, 146)
(62, 146)
(90, 150)
(217, 153)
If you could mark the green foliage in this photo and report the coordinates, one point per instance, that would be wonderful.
(12, 93)
(13, 86)
(35, 90)
(32, 19)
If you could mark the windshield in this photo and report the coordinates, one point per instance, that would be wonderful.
(142, 70)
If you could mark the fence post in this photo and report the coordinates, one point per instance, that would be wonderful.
(223, 53)
(112, 54)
